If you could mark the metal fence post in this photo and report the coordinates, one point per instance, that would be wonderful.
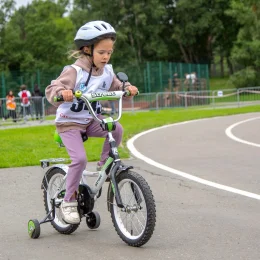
(132, 104)
(185, 100)
(148, 77)
(213, 98)
(43, 109)
(157, 102)
(238, 98)
(160, 76)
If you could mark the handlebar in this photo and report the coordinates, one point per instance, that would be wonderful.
(99, 96)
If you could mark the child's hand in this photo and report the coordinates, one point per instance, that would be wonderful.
(132, 89)
(67, 95)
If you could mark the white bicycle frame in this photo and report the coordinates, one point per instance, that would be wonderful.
(102, 175)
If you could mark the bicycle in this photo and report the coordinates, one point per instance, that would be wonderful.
(129, 198)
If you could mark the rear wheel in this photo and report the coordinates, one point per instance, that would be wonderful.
(56, 185)
(135, 222)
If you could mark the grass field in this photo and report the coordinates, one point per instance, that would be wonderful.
(26, 146)
(220, 83)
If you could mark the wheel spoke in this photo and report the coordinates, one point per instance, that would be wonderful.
(55, 183)
(134, 225)
(139, 221)
(131, 220)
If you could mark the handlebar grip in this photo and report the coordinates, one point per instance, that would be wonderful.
(127, 93)
(58, 98)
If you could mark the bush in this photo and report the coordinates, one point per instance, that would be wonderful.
(245, 78)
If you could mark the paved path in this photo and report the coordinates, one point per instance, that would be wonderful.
(8, 124)
(194, 221)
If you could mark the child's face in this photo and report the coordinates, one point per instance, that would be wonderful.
(102, 52)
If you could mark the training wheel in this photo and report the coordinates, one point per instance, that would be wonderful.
(93, 220)
(34, 229)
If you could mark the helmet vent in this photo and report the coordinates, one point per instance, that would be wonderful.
(92, 32)
(104, 26)
(97, 28)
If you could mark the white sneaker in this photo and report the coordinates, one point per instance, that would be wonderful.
(69, 212)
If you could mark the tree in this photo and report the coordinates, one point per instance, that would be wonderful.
(38, 36)
(6, 9)
(138, 25)
(196, 27)
(139, 30)
(246, 50)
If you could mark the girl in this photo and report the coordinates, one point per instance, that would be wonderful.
(11, 105)
(90, 73)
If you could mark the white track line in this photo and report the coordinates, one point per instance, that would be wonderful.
(136, 153)
(230, 134)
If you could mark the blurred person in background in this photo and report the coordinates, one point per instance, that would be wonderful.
(193, 77)
(37, 96)
(25, 96)
(11, 106)
(112, 106)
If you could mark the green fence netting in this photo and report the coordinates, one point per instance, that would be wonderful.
(148, 77)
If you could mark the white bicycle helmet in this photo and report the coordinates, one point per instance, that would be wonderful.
(91, 32)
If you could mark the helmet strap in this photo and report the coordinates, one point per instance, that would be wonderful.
(92, 50)
(89, 74)
(92, 64)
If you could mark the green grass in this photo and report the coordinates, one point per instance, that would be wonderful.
(220, 83)
(26, 146)
(225, 84)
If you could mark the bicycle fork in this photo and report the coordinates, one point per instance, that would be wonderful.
(114, 168)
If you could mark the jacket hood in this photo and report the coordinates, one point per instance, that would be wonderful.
(85, 63)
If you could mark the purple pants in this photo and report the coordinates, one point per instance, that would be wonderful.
(73, 142)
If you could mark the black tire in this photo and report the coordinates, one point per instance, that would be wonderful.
(34, 229)
(141, 204)
(93, 220)
(54, 181)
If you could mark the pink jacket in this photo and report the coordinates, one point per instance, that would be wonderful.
(67, 80)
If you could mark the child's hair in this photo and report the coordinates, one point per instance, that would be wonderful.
(23, 87)
(10, 92)
(75, 54)
(80, 53)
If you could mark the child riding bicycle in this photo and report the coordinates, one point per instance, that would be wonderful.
(90, 73)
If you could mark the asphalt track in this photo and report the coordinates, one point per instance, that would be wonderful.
(205, 179)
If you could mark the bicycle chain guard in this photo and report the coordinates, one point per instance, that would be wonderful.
(85, 200)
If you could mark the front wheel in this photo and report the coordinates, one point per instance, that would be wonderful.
(135, 222)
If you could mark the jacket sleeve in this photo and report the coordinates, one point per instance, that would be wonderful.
(66, 80)
(117, 84)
